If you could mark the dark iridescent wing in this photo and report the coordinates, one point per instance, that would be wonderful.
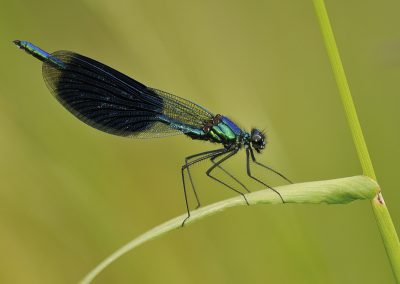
(115, 103)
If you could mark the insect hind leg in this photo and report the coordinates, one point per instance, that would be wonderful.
(202, 156)
(188, 164)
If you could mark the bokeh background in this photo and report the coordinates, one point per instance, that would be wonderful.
(70, 195)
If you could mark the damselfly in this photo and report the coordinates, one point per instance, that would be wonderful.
(117, 104)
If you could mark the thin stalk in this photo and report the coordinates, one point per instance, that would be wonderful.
(336, 191)
(384, 221)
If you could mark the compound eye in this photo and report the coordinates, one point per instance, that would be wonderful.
(256, 138)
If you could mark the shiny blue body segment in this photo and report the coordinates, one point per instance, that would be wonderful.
(184, 128)
(39, 53)
(194, 132)
(232, 125)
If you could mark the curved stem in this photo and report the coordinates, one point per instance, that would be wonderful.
(336, 191)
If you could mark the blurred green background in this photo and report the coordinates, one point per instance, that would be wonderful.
(70, 195)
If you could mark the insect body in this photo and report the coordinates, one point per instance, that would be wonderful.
(114, 103)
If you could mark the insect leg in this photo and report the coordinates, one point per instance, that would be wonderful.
(256, 179)
(203, 156)
(229, 174)
(187, 167)
(218, 163)
(267, 167)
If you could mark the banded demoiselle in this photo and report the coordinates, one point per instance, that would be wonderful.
(114, 103)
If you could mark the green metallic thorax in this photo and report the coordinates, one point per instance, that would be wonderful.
(221, 133)
(219, 129)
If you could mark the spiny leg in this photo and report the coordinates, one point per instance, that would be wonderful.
(229, 174)
(216, 164)
(256, 179)
(204, 156)
(267, 167)
(188, 170)
(186, 199)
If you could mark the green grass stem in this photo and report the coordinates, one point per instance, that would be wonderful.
(336, 191)
(384, 221)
